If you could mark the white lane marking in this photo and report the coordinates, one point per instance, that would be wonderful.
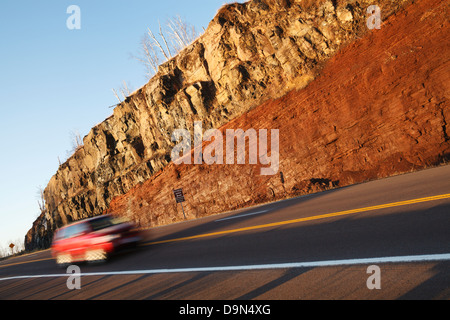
(329, 263)
(242, 215)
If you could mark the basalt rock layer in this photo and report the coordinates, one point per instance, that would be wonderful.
(376, 108)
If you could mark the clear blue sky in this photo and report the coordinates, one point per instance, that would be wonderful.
(55, 81)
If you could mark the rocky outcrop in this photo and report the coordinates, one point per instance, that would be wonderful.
(380, 107)
(250, 53)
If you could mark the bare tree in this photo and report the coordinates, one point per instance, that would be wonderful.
(169, 41)
(124, 90)
(165, 50)
(14, 247)
(181, 33)
(19, 245)
(3, 252)
(116, 95)
(77, 141)
(41, 200)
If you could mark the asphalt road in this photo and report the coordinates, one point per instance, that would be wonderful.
(317, 246)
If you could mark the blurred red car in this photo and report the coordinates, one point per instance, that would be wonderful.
(93, 240)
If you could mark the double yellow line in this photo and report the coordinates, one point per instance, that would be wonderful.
(281, 223)
(322, 216)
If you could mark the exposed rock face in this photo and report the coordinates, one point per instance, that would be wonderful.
(380, 107)
(250, 53)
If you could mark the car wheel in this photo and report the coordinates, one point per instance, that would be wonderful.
(96, 256)
(63, 260)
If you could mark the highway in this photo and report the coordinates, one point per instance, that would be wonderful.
(314, 247)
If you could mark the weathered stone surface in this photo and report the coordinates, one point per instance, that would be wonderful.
(378, 108)
(250, 53)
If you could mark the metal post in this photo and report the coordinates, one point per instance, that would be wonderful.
(183, 210)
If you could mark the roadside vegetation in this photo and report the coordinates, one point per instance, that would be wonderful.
(158, 47)
(12, 248)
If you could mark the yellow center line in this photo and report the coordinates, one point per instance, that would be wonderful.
(322, 216)
(24, 262)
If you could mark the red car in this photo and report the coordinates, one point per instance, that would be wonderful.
(93, 240)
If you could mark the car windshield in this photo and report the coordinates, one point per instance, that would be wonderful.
(72, 231)
(103, 222)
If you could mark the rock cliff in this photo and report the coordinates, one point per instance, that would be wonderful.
(351, 104)
(379, 107)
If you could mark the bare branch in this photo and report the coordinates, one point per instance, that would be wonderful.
(117, 96)
(41, 199)
(164, 39)
(77, 141)
(158, 44)
(154, 50)
(125, 89)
